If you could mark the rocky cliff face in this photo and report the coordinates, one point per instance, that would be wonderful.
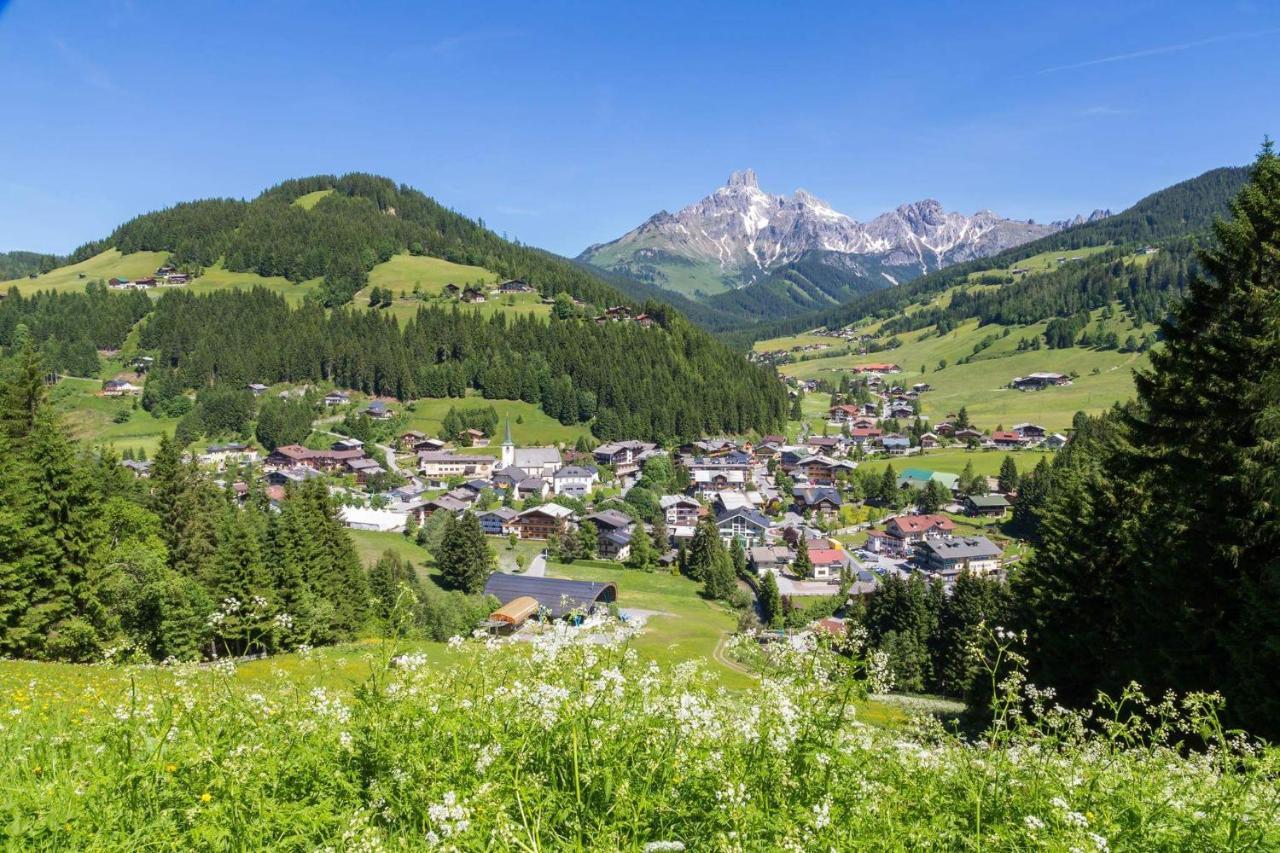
(739, 233)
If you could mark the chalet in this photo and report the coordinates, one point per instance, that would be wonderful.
(379, 411)
(681, 514)
(494, 521)
(1056, 441)
(138, 467)
(515, 285)
(142, 363)
(118, 283)
(1032, 432)
(144, 282)
(476, 437)
(257, 388)
(862, 436)
(532, 487)
(294, 455)
(540, 522)
(1039, 381)
(429, 444)
(1006, 440)
(221, 454)
(876, 368)
(928, 441)
(443, 503)
(820, 470)
(120, 388)
(507, 478)
(713, 474)
(895, 444)
(613, 523)
(921, 387)
(745, 524)
(626, 457)
(951, 556)
(409, 440)
(472, 296)
(365, 469)
(901, 411)
(844, 413)
(452, 289)
(348, 444)
(822, 501)
(986, 505)
(337, 398)
(968, 434)
(945, 428)
(574, 480)
(438, 466)
(177, 278)
(918, 478)
(165, 270)
(823, 444)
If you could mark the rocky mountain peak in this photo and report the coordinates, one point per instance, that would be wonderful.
(744, 178)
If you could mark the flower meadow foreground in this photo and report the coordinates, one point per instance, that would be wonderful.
(574, 742)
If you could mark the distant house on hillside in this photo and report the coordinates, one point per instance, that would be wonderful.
(515, 285)
(120, 388)
(1039, 381)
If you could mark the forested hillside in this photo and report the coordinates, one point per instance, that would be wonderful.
(18, 264)
(1173, 219)
(664, 382)
(658, 380)
(363, 222)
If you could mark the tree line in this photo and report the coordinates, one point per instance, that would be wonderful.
(660, 384)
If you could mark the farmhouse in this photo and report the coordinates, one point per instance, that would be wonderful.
(876, 368)
(1039, 381)
(293, 455)
(120, 388)
(823, 501)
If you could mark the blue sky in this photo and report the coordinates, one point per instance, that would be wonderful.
(564, 124)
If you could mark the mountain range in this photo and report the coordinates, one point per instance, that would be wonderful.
(740, 236)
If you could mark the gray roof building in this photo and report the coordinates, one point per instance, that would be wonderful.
(554, 595)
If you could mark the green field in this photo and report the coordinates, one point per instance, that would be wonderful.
(404, 271)
(690, 627)
(1105, 376)
(536, 428)
(105, 265)
(89, 417)
(953, 460)
(218, 277)
(310, 200)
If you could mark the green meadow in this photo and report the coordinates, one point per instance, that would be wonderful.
(529, 424)
(105, 265)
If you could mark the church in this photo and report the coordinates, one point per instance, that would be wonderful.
(540, 462)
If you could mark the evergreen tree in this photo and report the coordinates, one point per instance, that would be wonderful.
(465, 559)
(642, 556)
(702, 550)
(770, 600)
(1008, 479)
(585, 541)
(719, 581)
(738, 555)
(802, 566)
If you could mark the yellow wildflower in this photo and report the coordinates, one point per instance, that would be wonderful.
(206, 797)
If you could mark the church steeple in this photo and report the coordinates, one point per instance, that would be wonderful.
(508, 446)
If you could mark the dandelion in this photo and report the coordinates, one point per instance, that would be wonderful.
(170, 768)
(206, 797)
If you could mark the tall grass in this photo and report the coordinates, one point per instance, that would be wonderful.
(574, 742)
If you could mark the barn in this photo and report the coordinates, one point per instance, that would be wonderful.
(556, 597)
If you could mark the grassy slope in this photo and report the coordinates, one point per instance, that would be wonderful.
(538, 428)
(104, 265)
(218, 277)
(89, 417)
(310, 200)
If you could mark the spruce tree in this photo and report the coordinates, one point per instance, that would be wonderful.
(802, 566)
(702, 550)
(1008, 479)
(641, 556)
(465, 559)
(770, 600)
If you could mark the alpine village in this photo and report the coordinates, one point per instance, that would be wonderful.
(334, 519)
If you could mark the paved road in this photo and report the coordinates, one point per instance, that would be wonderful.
(538, 567)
